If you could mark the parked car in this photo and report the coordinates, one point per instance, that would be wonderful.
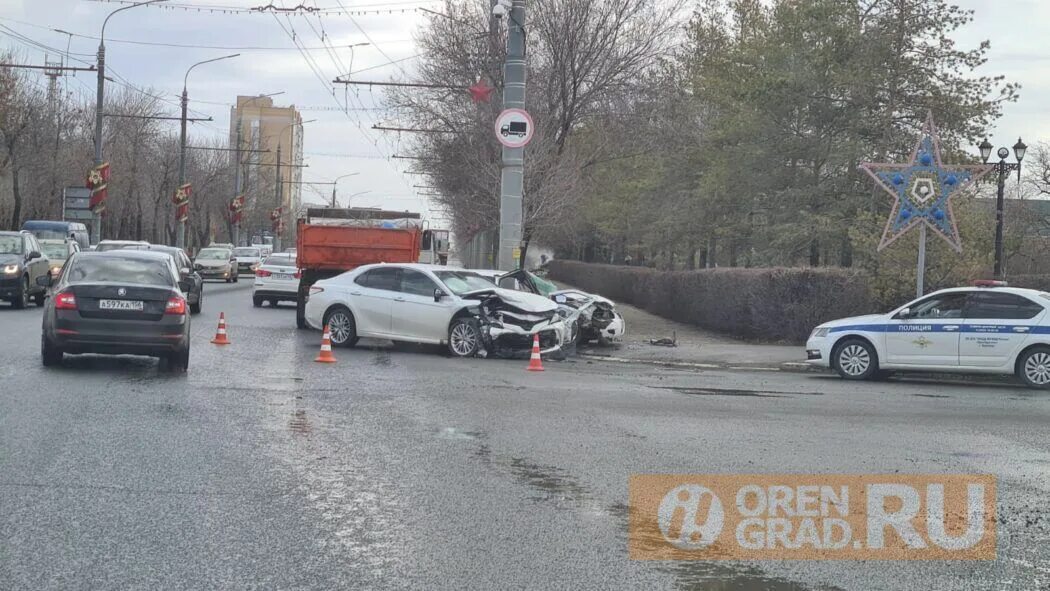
(216, 263)
(437, 305)
(53, 230)
(248, 258)
(22, 263)
(276, 280)
(117, 303)
(58, 252)
(107, 245)
(596, 317)
(195, 296)
(989, 329)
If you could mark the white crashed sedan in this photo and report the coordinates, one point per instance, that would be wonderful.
(436, 305)
(989, 328)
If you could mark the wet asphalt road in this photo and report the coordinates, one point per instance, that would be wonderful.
(404, 469)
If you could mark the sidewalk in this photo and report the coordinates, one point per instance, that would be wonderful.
(696, 347)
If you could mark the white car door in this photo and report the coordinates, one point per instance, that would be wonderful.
(415, 315)
(371, 295)
(996, 328)
(929, 334)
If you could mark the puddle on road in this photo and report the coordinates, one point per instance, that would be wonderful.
(382, 358)
(727, 392)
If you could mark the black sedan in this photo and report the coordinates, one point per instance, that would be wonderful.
(121, 302)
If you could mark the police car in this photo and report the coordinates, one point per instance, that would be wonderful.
(989, 328)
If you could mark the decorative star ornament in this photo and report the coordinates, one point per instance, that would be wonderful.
(480, 91)
(922, 189)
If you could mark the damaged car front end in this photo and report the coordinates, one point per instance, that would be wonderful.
(511, 320)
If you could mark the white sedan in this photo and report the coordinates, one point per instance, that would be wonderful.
(988, 329)
(436, 305)
(276, 280)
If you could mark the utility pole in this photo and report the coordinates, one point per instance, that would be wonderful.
(277, 232)
(236, 226)
(512, 178)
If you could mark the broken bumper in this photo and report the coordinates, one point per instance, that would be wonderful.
(515, 342)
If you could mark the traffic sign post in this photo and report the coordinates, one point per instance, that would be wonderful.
(514, 128)
(76, 204)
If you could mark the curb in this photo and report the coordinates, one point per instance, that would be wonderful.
(791, 366)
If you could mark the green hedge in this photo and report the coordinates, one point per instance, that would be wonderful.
(758, 304)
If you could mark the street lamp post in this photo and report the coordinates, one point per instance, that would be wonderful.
(335, 183)
(355, 195)
(96, 222)
(180, 236)
(1002, 168)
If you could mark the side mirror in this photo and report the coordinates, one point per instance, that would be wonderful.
(44, 281)
(904, 314)
(184, 271)
(33, 254)
(438, 294)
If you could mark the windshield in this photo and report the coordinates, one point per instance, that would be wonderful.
(10, 245)
(276, 261)
(49, 234)
(119, 270)
(213, 255)
(460, 282)
(55, 250)
(107, 246)
(246, 252)
(546, 287)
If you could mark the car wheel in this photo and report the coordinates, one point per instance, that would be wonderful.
(1034, 368)
(300, 312)
(179, 361)
(196, 308)
(257, 302)
(855, 359)
(341, 326)
(464, 337)
(237, 277)
(50, 354)
(22, 299)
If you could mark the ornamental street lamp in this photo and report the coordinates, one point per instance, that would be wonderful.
(1002, 168)
(335, 183)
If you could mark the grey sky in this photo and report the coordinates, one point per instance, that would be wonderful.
(1015, 29)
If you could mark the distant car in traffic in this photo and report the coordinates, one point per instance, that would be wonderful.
(248, 258)
(436, 305)
(265, 249)
(22, 263)
(276, 280)
(989, 329)
(58, 252)
(55, 230)
(117, 303)
(216, 263)
(195, 295)
(107, 245)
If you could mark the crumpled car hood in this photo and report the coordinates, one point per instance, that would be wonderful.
(577, 294)
(524, 301)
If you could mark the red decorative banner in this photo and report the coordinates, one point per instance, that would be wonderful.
(181, 199)
(97, 181)
(236, 209)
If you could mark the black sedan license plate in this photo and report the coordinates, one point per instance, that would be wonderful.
(120, 305)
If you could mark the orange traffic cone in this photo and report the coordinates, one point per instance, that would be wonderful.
(220, 334)
(325, 356)
(535, 363)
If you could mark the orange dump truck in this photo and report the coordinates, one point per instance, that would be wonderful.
(332, 241)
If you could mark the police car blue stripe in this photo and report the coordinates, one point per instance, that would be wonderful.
(960, 327)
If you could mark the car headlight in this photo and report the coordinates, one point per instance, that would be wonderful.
(819, 333)
(11, 269)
